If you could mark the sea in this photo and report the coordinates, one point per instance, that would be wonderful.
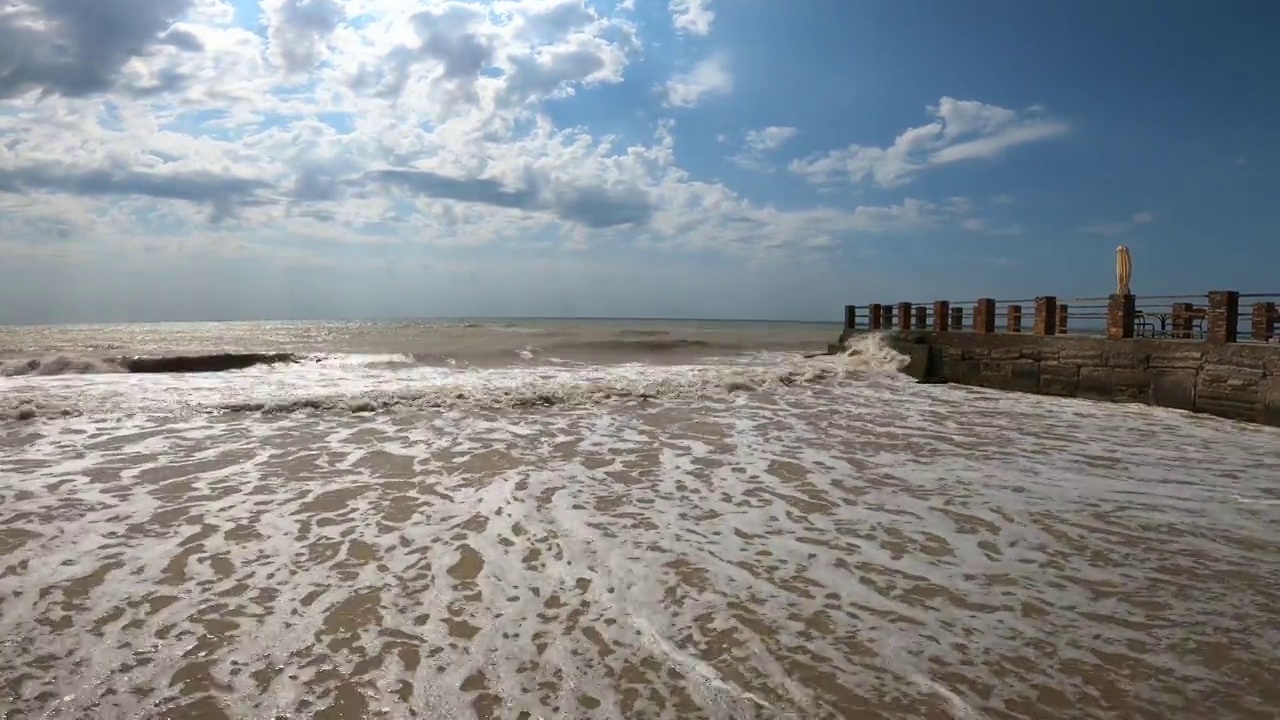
(610, 519)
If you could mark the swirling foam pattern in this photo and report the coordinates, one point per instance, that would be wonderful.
(763, 539)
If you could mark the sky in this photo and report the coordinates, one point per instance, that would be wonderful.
(770, 159)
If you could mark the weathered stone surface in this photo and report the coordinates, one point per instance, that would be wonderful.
(1076, 356)
(1230, 379)
(995, 373)
(1006, 353)
(1131, 384)
(1176, 357)
(1125, 357)
(1233, 405)
(1236, 381)
(1095, 382)
(1174, 389)
(1271, 402)
(1059, 379)
(1024, 375)
(1041, 352)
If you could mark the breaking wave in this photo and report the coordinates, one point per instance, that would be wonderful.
(285, 383)
(217, 362)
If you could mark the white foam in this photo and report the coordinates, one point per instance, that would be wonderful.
(791, 551)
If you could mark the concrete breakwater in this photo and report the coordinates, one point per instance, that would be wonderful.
(1195, 359)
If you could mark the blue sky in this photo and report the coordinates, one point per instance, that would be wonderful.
(206, 159)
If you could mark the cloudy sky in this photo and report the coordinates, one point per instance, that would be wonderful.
(196, 159)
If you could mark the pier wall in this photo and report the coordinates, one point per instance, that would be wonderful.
(1237, 381)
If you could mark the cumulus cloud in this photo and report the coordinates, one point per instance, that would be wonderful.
(422, 125)
(709, 78)
(757, 144)
(299, 29)
(77, 48)
(962, 130)
(692, 16)
(222, 193)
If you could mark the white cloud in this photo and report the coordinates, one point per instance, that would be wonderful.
(757, 144)
(709, 78)
(1108, 229)
(692, 16)
(769, 138)
(380, 123)
(961, 130)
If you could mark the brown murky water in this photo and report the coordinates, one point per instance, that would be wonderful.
(782, 538)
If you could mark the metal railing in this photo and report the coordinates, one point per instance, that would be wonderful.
(1216, 317)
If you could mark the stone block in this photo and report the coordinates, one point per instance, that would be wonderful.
(995, 373)
(1235, 405)
(1005, 353)
(1237, 356)
(1175, 357)
(1080, 357)
(1131, 384)
(1024, 375)
(1271, 364)
(1041, 352)
(966, 372)
(1271, 402)
(1127, 357)
(1095, 383)
(1174, 389)
(1230, 381)
(918, 365)
(1059, 379)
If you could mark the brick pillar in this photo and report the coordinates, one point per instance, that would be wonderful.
(904, 316)
(1223, 315)
(922, 317)
(875, 316)
(957, 318)
(1264, 321)
(1062, 319)
(941, 315)
(1121, 310)
(850, 317)
(1046, 322)
(984, 316)
(1013, 317)
(1182, 319)
(886, 317)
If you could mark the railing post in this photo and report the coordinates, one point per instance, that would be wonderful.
(850, 317)
(1264, 321)
(886, 316)
(984, 316)
(1182, 320)
(1121, 310)
(1061, 324)
(957, 318)
(1013, 318)
(922, 317)
(1223, 316)
(904, 316)
(875, 316)
(941, 315)
(1046, 322)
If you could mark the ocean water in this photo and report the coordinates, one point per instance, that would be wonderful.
(611, 520)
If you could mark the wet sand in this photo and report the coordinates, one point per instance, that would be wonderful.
(883, 551)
